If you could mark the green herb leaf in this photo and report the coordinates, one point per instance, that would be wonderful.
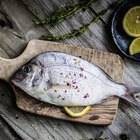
(66, 11)
(72, 34)
(51, 37)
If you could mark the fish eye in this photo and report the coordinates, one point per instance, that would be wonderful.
(27, 69)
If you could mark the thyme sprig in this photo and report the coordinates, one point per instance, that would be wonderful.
(66, 11)
(52, 37)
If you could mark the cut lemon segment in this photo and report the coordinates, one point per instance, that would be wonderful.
(77, 111)
(135, 46)
(131, 22)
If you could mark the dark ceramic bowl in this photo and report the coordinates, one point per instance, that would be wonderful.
(121, 39)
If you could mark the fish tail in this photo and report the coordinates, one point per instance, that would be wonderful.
(132, 95)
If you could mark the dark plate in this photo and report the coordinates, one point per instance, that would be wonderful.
(121, 39)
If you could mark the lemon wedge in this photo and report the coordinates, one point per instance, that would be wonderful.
(135, 46)
(77, 111)
(131, 22)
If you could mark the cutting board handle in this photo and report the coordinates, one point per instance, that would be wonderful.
(5, 68)
(9, 66)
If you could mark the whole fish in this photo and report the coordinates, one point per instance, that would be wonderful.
(66, 80)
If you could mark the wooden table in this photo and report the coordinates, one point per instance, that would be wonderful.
(16, 29)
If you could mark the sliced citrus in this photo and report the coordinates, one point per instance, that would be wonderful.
(77, 111)
(135, 46)
(131, 22)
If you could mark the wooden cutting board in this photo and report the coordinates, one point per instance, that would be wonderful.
(102, 114)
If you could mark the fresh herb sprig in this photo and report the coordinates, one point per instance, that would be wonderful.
(66, 11)
(51, 37)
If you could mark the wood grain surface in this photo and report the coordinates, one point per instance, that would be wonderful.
(17, 28)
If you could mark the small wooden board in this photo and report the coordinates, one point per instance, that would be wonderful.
(102, 114)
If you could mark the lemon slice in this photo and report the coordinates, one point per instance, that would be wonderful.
(131, 22)
(135, 46)
(77, 111)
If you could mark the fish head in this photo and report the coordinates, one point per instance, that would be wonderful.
(28, 77)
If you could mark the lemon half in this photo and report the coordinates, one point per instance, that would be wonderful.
(77, 111)
(135, 46)
(131, 22)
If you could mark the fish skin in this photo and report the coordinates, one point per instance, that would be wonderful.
(66, 80)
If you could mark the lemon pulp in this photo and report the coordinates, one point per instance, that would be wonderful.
(135, 46)
(131, 22)
(77, 111)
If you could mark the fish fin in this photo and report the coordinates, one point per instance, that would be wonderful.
(132, 89)
(131, 99)
(132, 95)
